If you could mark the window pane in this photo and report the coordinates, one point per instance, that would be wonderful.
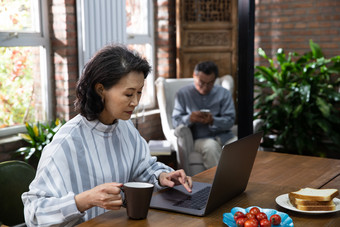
(137, 17)
(146, 51)
(18, 16)
(20, 86)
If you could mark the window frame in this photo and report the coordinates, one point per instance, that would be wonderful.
(38, 39)
(147, 39)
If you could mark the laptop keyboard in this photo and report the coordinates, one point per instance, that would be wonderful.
(196, 201)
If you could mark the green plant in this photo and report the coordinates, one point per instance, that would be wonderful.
(298, 99)
(38, 136)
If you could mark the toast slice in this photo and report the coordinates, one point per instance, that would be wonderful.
(304, 202)
(316, 207)
(310, 199)
(310, 205)
(312, 194)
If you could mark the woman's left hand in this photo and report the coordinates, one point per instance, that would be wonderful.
(175, 178)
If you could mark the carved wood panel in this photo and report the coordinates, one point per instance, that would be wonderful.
(206, 30)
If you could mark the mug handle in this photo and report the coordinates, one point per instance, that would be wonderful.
(123, 197)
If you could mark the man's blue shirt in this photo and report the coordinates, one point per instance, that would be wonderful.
(220, 103)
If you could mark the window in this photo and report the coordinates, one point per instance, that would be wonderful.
(24, 70)
(129, 22)
(139, 29)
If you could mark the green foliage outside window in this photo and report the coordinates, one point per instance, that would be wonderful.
(16, 84)
(16, 63)
(17, 15)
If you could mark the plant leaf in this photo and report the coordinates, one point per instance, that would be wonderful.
(262, 53)
(26, 137)
(316, 50)
(323, 107)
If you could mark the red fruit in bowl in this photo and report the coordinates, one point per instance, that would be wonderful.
(254, 210)
(265, 223)
(275, 219)
(250, 216)
(251, 223)
(240, 222)
(261, 216)
(238, 215)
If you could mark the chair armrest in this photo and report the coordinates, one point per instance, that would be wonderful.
(226, 81)
(185, 145)
(257, 125)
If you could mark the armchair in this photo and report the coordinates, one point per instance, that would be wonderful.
(181, 138)
(15, 177)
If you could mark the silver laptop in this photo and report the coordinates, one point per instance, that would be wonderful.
(231, 179)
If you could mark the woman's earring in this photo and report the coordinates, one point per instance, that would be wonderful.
(103, 100)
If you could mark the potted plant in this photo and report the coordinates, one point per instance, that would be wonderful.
(298, 100)
(38, 136)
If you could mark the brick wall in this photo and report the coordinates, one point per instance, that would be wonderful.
(8, 145)
(64, 55)
(290, 24)
(165, 19)
(150, 127)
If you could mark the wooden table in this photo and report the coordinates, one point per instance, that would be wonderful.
(273, 174)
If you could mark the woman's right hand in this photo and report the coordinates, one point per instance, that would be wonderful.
(106, 196)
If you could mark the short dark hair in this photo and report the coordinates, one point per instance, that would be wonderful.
(207, 67)
(107, 67)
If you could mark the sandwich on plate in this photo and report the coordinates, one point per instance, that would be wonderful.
(310, 199)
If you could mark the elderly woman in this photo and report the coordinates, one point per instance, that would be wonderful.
(81, 171)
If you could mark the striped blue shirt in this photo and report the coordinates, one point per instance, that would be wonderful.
(82, 155)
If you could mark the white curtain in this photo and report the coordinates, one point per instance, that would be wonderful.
(100, 22)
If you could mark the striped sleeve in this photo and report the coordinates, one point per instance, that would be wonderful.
(48, 202)
(145, 167)
(82, 156)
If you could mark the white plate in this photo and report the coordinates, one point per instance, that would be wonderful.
(283, 200)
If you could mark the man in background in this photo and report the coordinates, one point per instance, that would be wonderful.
(208, 110)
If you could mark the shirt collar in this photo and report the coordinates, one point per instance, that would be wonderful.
(99, 126)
